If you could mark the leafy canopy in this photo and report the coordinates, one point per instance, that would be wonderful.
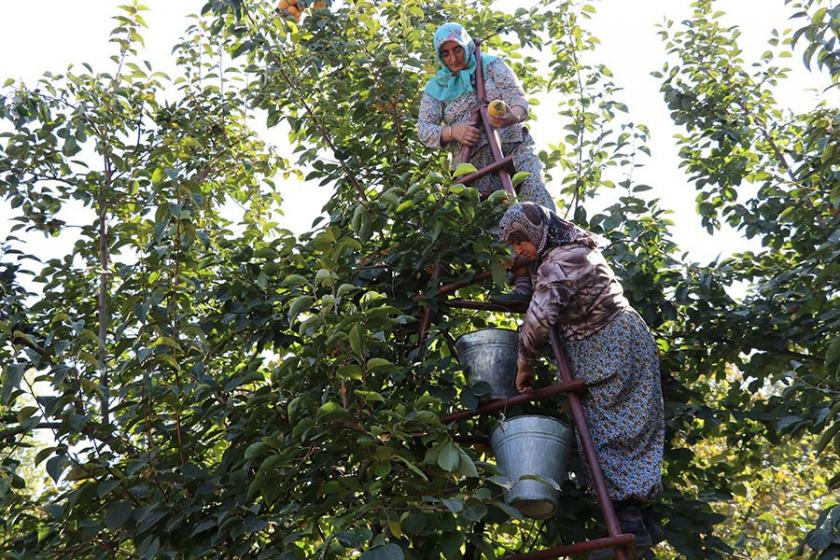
(221, 389)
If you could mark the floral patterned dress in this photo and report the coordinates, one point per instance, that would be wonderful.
(611, 348)
(499, 83)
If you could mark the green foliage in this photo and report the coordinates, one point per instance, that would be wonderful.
(822, 22)
(782, 336)
(142, 180)
(221, 389)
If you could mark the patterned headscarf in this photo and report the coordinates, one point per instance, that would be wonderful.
(527, 221)
(446, 86)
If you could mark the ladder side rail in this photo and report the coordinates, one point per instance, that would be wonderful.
(466, 151)
(590, 456)
(490, 131)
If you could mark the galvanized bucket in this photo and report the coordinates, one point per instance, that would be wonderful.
(490, 355)
(535, 446)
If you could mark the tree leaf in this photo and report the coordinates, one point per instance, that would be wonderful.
(448, 457)
(350, 372)
(411, 466)
(370, 396)
(377, 363)
(464, 169)
(509, 510)
(12, 375)
(257, 449)
(519, 177)
(475, 511)
(299, 305)
(466, 467)
(118, 513)
(294, 280)
(55, 466)
(832, 357)
(826, 437)
(452, 504)
(389, 551)
(356, 340)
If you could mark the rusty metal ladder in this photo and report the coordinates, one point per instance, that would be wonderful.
(621, 543)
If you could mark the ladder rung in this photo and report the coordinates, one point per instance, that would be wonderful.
(576, 548)
(486, 305)
(501, 404)
(506, 164)
(447, 289)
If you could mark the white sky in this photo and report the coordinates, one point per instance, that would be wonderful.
(41, 35)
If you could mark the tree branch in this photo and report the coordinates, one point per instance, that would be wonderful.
(762, 126)
(351, 177)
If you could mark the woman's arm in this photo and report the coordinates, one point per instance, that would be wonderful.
(429, 128)
(511, 92)
(435, 135)
(551, 294)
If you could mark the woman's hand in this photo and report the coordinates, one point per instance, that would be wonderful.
(524, 375)
(466, 134)
(509, 118)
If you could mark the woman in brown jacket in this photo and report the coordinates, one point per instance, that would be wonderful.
(609, 347)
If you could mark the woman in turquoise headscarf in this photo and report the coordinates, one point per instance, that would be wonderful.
(447, 106)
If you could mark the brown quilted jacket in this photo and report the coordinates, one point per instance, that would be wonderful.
(576, 289)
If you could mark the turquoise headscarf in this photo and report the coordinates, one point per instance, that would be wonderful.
(446, 86)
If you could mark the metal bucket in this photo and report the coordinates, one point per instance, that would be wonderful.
(489, 355)
(536, 446)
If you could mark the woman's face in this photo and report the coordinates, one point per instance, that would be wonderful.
(524, 249)
(452, 55)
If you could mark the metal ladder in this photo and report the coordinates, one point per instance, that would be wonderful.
(621, 543)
